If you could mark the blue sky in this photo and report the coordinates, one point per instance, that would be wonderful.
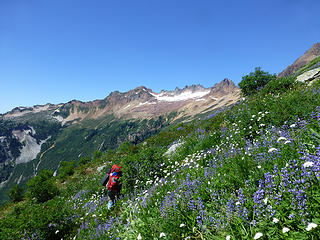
(56, 51)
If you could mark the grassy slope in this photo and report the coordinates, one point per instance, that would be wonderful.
(237, 174)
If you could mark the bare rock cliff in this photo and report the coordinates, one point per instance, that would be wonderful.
(307, 57)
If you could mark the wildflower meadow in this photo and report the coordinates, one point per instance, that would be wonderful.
(249, 172)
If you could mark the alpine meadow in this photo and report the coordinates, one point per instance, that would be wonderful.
(248, 168)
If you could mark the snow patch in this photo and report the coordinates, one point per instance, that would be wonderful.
(145, 103)
(213, 98)
(19, 180)
(186, 95)
(58, 118)
(127, 106)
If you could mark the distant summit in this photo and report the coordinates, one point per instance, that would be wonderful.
(307, 57)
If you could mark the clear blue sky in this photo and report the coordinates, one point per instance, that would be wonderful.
(56, 51)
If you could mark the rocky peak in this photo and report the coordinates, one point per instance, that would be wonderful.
(194, 88)
(177, 91)
(141, 93)
(224, 87)
(307, 57)
(314, 50)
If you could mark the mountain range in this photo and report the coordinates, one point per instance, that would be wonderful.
(40, 137)
(43, 136)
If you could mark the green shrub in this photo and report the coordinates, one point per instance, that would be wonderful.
(16, 193)
(50, 220)
(279, 85)
(255, 81)
(97, 155)
(84, 160)
(66, 169)
(42, 187)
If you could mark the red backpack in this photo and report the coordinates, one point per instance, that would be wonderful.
(114, 180)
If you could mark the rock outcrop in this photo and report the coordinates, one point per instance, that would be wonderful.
(309, 76)
(307, 57)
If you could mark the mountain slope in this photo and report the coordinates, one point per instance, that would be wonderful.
(307, 57)
(249, 172)
(40, 137)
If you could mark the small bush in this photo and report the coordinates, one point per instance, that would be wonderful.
(97, 155)
(42, 187)
(255, 81)
(16, 193)
(84, 160)
(66, 169)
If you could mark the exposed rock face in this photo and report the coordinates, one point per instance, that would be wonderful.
(225, 87)
(307, 57)
(309, 76)
(31, 148)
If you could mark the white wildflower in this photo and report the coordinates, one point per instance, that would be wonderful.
(308, 164)
(139, 237)
(272, 150)
(275, 220)
(292, 125)
(258, 235)
(285, 230)
(259, 166)
(311, 226)
(162, 234)
(281, 138)
(57, 231)
(265, 201)
(253, 116)
(237, 203)
(182, 225)
(228, 237)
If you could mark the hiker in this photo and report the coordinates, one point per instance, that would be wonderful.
(114, 185)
